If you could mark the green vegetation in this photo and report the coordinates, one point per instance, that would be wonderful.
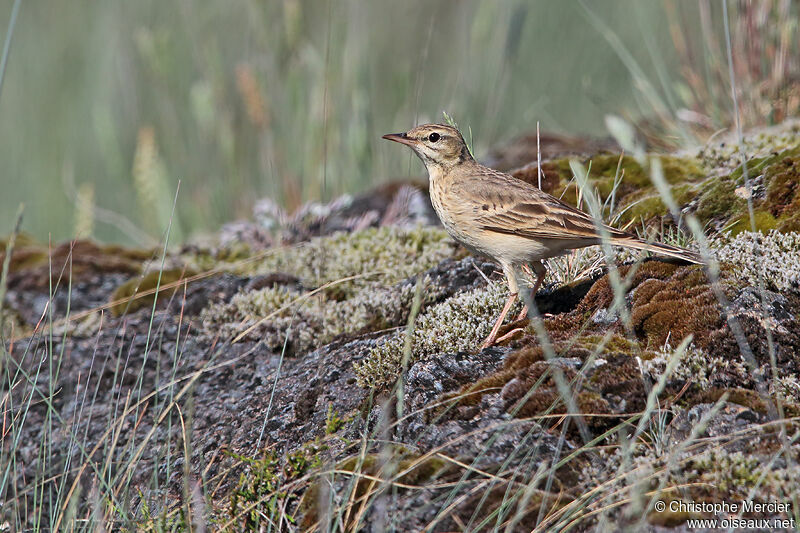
(289, 99)
(360, 275)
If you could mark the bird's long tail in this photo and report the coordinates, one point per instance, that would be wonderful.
(658, 248)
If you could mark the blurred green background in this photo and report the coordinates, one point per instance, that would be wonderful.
(107, 105)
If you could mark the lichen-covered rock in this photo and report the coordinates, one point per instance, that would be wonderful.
(458, 324)
(575, 429)
(724, 154)
(772, 259)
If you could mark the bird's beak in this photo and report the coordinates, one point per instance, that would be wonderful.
(401, 138)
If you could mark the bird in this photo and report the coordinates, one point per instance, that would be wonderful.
(506, 219)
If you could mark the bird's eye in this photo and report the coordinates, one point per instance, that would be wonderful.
(433, 137)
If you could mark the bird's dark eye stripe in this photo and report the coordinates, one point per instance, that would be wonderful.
(433, 137)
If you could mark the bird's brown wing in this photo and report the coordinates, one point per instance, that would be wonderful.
(505, 204)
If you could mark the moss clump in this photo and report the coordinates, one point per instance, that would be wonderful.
(11, 324)
(717, 184)
(265, 486)
(458, 324)
(696, 366)
(141, 292)
(635, 196)
(676, 170)
(386, 255)
(357, 272)
(731, 473)
(783, 191)
(75, 260)
(254, 500)
(776, 195)
(235, 257)
(615, 344)
(333, 422)
(643, 209)
(676, 307)
(719, 200)
(763, 221)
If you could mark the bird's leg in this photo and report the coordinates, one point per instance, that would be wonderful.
(493, 335)
(513, 289)
(538, 267)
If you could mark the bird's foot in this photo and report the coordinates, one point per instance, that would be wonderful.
(511, 334)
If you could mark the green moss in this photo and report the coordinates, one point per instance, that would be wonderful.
(22, 240)
(644, 209)
(731, 473)
(416, 470)
(333, 422)
(783, 190)
(232, 258)
(724, 198)
(677, 170)
(11, 324)
(254, 500)
(719, 200)
(634, 193)
(24, 258)
(764, 222)
(302, 460)
(615, 344)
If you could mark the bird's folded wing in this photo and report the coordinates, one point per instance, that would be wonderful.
(505, 204)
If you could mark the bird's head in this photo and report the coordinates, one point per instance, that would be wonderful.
(435, 144)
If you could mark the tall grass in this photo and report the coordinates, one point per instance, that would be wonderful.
(693, 101)
(286, 99)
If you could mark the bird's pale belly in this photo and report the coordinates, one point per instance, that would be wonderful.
(497, 246)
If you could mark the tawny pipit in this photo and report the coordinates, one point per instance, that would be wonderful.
(505, 218)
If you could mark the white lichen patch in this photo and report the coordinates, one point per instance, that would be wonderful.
(774, 257)
(282, 315)
(357, 275)
(460, 323)
(787, 388)
(391, 254)
(723, 154)
(384, 255)
(695, 366)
